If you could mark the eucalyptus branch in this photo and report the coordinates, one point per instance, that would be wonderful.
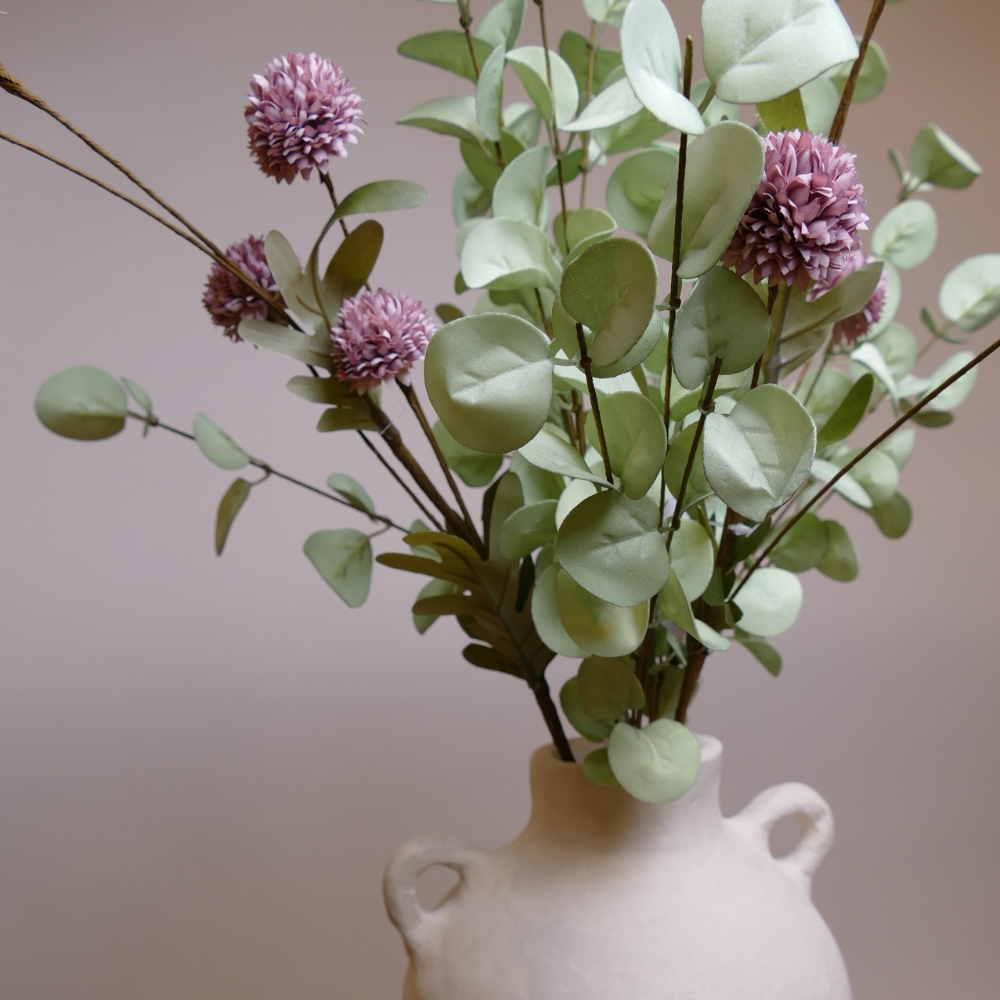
(706, 407)
(150, 421)
(864, 453)
(394, 440)
(837, 129)
(14, 87)
(585, 138)
(554, 131)
(399, 479)
(696, 656)
(414, 400)
(586, 363)
(674, 302)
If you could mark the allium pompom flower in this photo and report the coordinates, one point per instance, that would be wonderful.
(801, 224)
(302, 111)
(380, 336)
(853, 328)
(227, 299)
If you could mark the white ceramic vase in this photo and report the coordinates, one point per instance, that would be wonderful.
(606, 898)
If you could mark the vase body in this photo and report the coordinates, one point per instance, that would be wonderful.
(603, 897)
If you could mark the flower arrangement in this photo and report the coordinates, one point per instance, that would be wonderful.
(654, 460)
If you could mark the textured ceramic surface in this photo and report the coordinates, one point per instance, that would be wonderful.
(606, 898)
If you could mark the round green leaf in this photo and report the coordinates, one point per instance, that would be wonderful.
(651, 55)
(588, 728)
(489, 93)
(872, 78)
(612, 546)
(645, 346)
(600, 628)
(606, 11)
(894, 516)
(656, 764)
(502, 23)
(801, 547)
(611, 288)
(474, 468)
(139, 394)
(878, 475)
(520, 191)
(724, 169)
(899, 348)
(489, 377)
(545, 615)
(597, 768)
(907, 234)
(673, 468)
(344, 559)
(352, 491)
(759, 455)
(637, 186)
(507, 254)
(970, 294)
(758, 51)
(847, 486)
(84, 403)
(692, 558)
(612, 105)
(823, 393)
(528, 528)
(548, 451)
(217, 446)
(958, 392)
(532, 68)
(608, 688)
(899, 447)
(936, 158)
(770, 601)
(840, 561)
(636, 439)
(723, 317)
(585, 227)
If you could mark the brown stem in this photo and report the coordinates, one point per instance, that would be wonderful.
(394, 440)
(864, 453)
(540, 689)
(696, 655)
(546, 322)
(328, 184)
(840, 120)
(411, 397)
(399, 479)
(707, 405)
(580, 419)
(586, 364)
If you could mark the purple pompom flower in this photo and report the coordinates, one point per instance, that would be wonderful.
(301, 111)
(380, 336)
(227, 299)
(851, 329)
(801, 224)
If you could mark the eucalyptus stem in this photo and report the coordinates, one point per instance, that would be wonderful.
(585, 138)
(696, 656)
(411, 397)
(674, 302)
(151, 421)
(864, 453)
(399, 479)
(840, 120)
(707, 405)
(554, 131)
(586, 363)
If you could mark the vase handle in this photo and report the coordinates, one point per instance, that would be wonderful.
(814, 815)
(400, 884)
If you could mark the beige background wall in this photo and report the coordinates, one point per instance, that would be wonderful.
(205, 763)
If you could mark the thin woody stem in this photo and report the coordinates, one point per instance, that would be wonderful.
(414, 400)
(674, 302)
(586, 363)
(837, 129)
(696, 656)
(152, 421)
(826, 490)
(399, 479)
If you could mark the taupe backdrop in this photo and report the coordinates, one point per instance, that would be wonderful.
(205, 763)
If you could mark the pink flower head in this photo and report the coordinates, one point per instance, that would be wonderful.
(227, 299)
(301, 111)
(801, 224)
(380, 336)
(853, 328)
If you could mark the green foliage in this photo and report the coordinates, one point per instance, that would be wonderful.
(528, 528)
(907, 234)
(756, 52)
(232, 500)
(489, 378)
(447, 49)
(501, 24)
(651, 55)
(724, 169)
(549, 451)
(636, 440)
(637, 186)
(722, 318)
(561, 102)
(656, 764)
(770, 602)
(970, 294)
(597, 626)
(848, 414)
(589, 728)
(597, 768)
(958, 392)
(784, 113)
(545, 615)
(936, 158)
(763, 652)
(575, 49)
(584, 228)
(508, 254)
(759, 455)
(840, 560)
(343, 558)
(474, 468)
(613, 105)
(606, 11)
(608, 688)
(217, 446)
(454, 116)
(802, 546)
(611, 288)
(872, 78)
(677, 459)
(83, 402)
(520, 191)
(692, 558)
(489, 94)
(352, 491)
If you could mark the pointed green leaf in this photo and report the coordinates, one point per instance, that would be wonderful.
(936, 158)
(139, 394)
(232, 500)
(489, 94)
(502, 23)
(532, 68)
(344, 559)
(454, 116)
(217, 446)
(765, 654)
(352, 491)
(520, 191)
(447, 49)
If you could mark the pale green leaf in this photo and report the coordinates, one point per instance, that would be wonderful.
(139, 394)
(656, 764)
(597, 626)
(584, 228)
(692, 557)
(520, 191)
(433, 588)
(847, 486)
(615, 377)
(872, 78)
(528, 528)
(217, 446)
(501, 24)
(801, 547)
(232, 500)
(848, 414)
(636, 440)
(970, 294)
(380, 196)
(610, 107)
(352, 491)
(489, 377)
(936, 158)
(545, 615)
(507, 254)
(588, 728)
(597, 768)
(608, 688)
(608, 12)
(907, 234)
(899, 348)
(784, 113)
(562, 99)
(637, 186)
(765, 654)
(958, 392)
(446, 49)
(344, 559)
(770, 601)
(84, 402)
(724, 169)
(756, 51)
(899, 446)
(677, 458)
(759, 455)
(454, 116)
(489, 94)
(548, 451)
(840, 561)
(474, 468)
(284, 340)
(820, 99)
